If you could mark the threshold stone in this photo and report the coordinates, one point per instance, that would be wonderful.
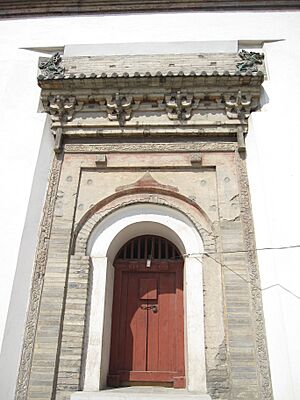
(140, 393)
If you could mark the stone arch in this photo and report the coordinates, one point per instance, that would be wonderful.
(105, 207)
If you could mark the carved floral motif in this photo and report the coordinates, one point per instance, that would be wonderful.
(119, 108)
(61, 108)
(179, 106)
(239, 106)
(250, 243)
(37, 283)
(149, 147)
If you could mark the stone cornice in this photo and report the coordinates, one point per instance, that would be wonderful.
(212, 103)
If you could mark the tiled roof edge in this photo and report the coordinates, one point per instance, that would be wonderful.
(147, 75)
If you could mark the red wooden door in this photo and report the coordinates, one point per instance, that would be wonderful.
(147, 343)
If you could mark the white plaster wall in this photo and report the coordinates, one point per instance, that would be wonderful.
(273, 144)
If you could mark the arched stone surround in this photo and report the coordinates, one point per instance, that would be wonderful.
(104, 232)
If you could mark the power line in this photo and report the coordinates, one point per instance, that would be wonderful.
(295, 246)
(247, 251)
(245, 280)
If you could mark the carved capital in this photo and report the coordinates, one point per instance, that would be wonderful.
(239, 106)
(179, 105)
(61, 108)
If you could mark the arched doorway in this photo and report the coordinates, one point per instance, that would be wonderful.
(103, 246)
(147, 340)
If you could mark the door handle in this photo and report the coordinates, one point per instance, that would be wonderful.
(152, 307)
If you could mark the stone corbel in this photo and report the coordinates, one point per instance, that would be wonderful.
(61, 108)
(58, 140)
(120, 107)
(196, 160)
(239, 106)
(240, 136)
(179, 106)
(101, 160)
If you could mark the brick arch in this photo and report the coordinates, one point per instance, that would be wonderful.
(166, 198)
(81, 265)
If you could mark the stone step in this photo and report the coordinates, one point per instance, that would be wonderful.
(140, 393)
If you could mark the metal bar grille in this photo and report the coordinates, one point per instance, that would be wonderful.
(148, 247)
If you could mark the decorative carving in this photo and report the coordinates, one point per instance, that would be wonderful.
(61, 108)
(250, 244)
(51, 67)
(148, 181)
(250, 61)
(196, 160)
(239, 106)
(83, 230)
(179, 106)
(119, 108)
(37, 283)
(149, 147)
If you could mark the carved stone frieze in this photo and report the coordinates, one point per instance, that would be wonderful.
(179, 105)
(250, 243)
(250, 61)
(51, 68)
(203, 111)
(240, 105)
(61, 108)
(37, 282)
(149, 147)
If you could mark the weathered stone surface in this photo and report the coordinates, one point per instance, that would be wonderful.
(198, 171)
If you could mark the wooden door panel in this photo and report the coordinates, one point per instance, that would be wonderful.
(137, 324)
(179, 328)
(147, 342)
(153, 335)
(167, 333)
(148, 288)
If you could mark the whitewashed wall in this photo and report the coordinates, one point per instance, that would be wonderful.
(273, 144)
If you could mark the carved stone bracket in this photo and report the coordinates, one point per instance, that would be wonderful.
(51, 67)
(179, 105)
(250, 61)
(239, 106)
(120, 107)
(61, 108)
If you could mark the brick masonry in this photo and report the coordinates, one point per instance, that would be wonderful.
(232, 364)
(204, 176)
